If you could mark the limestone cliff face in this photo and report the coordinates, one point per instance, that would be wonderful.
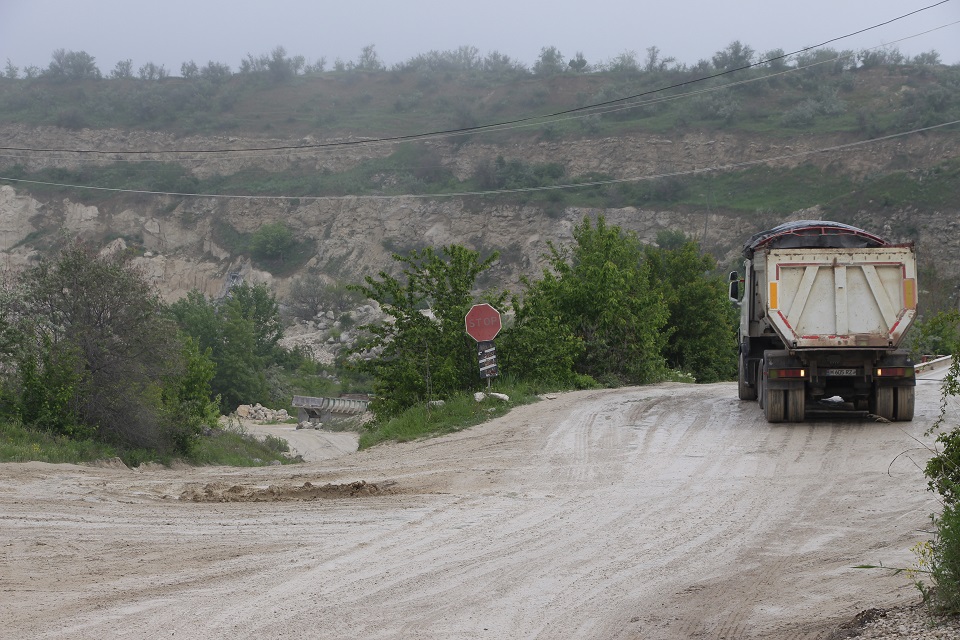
(353, 237)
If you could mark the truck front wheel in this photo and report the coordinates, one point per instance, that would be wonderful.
(745, 391)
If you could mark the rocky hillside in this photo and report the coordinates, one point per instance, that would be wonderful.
(894, 186)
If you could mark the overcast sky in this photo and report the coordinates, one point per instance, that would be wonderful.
(170, 32)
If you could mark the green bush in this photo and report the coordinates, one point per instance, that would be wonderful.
(271, 241)
(943, 470)
(937, 335)
(945, 561)
(92, 353)
(423, 353)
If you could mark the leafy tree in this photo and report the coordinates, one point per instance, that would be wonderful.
(601, 290)
(578, 64)
(187, 399)
(257, 305)
(496, 62)
(937, 335)
(943, 472)
(625, 62)
(549, 63)
(540, 346)
(95, 354)
(775, 60)
(122, 70)
(930, 58)
(271, 241)
(870, 58)
(72, 65)
(215, 72)
(735, 56)
(311, 295)
(423, 352)
(151, 71)
(369, 60)
(701, 330)
(189, 70)
(240, 334)
(11, 71)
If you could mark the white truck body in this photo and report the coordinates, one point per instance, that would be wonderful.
(824, 309)
(840, 298)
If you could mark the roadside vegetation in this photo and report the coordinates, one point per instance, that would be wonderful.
(608, 311)
(938, 559)
(96, 365)
(941, 557)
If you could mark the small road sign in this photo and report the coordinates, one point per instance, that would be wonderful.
(482, 322)
(487, 356)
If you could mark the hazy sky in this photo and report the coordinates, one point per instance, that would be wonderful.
(170, 32)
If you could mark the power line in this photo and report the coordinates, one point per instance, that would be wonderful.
(461, 194)
(478, 128)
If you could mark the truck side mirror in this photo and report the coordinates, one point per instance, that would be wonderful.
(734, 287)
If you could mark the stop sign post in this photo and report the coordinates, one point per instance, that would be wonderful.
(483, 324)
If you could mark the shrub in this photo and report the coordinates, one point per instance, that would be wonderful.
(272, 241)
(95, 354)
(943, 470)
(945, 560)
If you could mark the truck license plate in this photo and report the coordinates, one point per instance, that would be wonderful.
(841, 372)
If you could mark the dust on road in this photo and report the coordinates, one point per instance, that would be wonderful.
(663, 512)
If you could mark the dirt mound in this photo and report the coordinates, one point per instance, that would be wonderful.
(223, 492)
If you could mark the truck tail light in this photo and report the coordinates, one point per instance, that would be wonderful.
(893, 372)
(788, 373)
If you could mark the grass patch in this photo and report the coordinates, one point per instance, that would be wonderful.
(230, 446)
(20, 444)
(233, 446)
(455, 414)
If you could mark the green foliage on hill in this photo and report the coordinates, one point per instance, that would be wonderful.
(279, 94)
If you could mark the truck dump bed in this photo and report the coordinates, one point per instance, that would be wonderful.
(824, 308)
(840, 298)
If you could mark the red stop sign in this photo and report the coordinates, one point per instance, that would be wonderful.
(483, 322)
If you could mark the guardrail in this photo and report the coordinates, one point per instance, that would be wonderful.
(325, 409)
(932, 364)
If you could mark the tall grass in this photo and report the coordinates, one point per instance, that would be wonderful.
(230, 446)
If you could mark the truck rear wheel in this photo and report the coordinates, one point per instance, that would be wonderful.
(905, 401)
(774, 404)
(744, 390)
(796, 405)
(883, 402)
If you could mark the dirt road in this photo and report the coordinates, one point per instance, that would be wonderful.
(665, 512)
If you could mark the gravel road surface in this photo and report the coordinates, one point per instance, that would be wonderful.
(664, 513)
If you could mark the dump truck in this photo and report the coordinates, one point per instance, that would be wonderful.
(824, 307)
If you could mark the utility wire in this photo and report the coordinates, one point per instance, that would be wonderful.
(461, 194)
(494, 126)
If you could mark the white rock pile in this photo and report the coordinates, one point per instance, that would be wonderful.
(260, 413)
